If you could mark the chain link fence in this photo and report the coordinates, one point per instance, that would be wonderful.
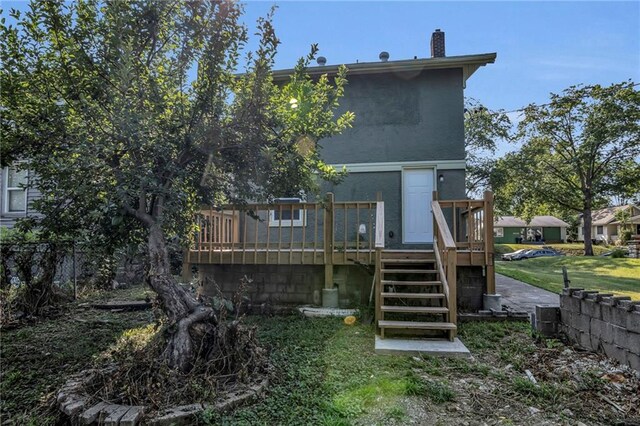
(25, 262)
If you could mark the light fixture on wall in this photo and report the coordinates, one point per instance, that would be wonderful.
(441, 178)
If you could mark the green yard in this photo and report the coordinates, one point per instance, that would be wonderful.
(326, 373)
(619, 276)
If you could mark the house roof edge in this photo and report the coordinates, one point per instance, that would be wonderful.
(407, 65)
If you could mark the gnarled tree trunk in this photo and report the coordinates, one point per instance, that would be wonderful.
(180, 306)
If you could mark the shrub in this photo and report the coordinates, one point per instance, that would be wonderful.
(618, 253)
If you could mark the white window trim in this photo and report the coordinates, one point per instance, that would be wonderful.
(8, 188)
(297, 223)
(498, 232)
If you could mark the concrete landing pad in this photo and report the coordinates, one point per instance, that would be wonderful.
(414, 347)
(309, 311)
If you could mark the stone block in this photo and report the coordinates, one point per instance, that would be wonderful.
(582, 322)
(571, 304)
(596, 343)
(132, 416)
(176, 416)
(91, 415)
(114, 416)
(572, 334)
(73, 405)
(547, 328)
(627, 305)
(591, 308)
(633, 360)
(617, 299)
(582, 294)
(634, 342)
(573, 290)
(565, 316)
(598, 328)
(620, 337)
(619, 316)
(615, 352)
(633, 322)
(547, 313)
(607, 312)
(584, 340)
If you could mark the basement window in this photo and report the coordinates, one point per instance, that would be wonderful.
(287, 214)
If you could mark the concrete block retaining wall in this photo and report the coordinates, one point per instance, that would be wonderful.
(601, 323)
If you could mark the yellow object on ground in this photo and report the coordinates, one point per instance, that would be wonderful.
(350, 320)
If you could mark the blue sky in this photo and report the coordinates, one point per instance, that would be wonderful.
(542, 47)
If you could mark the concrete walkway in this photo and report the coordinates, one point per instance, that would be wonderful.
(521, 296)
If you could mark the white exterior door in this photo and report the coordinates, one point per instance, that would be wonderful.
(417, 193)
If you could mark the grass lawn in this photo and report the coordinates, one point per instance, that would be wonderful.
(619, 276)
(570, 249)
(326, 373)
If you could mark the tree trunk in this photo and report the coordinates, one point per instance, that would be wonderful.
(180, 306)
(586, 231)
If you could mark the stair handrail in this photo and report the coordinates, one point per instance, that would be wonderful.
(444, 248)
(379, 245)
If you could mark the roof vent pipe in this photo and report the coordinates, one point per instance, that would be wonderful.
(437, 44)
(321, 61)
(384, 56)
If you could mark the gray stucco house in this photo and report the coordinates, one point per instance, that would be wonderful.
(380, 231)
(408, 137)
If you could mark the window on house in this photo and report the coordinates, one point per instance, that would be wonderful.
(498, 232)
(599, 230)
(287, 214)
(15, 192)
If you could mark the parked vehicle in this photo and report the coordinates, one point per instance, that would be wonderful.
(531, 254)
(514, 255)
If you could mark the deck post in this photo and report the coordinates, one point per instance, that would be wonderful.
(452, 281)
(186, 266)
(378, 288)
(488, 242)
(434, 197)
(328, 241)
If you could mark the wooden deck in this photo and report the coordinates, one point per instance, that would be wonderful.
(332, 233)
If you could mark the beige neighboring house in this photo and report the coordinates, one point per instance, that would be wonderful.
(605, 227)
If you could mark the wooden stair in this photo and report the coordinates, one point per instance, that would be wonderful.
(411, 290)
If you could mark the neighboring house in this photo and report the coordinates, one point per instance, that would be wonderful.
(548, 229)
(407, 141)
(15, 195)
(604, 225)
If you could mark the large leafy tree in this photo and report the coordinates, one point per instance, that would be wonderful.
(134, 113)
(578, 150)
(483, 130)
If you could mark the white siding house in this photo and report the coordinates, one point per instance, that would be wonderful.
(604, 226)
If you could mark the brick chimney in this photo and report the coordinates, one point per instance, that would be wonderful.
(437, 44)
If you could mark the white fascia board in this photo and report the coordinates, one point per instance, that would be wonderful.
(398, 166)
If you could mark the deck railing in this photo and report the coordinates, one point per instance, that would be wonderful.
(326, 232)
(445, 250)
(470, 224)
(330, 232)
